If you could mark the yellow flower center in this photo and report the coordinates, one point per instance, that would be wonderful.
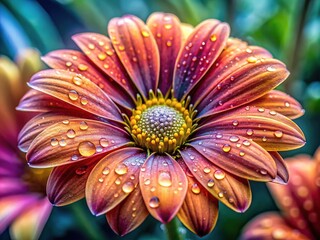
(160, 124)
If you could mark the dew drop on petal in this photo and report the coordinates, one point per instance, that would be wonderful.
(218, 174)
(210, 183)
(206, 170)
(195, 188)
(164, 179)
(213, 37)
(63, 143)
(68, 64)
(287, 104)
(241, 153)
(235, 123)
(86, 149)
(271, 69)
(219, 135)
(74, 157)
(168, 26)
(252, 59)
(117, 181)
(246, 143)
(220, 194)
(147, 181)
(127, 187)
(249, 132)
(83, 125)
(82, 67)
(102, 56)
(91, 46)
(169, 43)
(279, 234)
(106, 171)
(100, 180)
(154, 202)
(71, 133)
(263, 172)
(145, 33)
(261, 109)
(121, 169)
(273, 113)
(104, 142)
(84, 101)
(73, 95)
(278, 134)
(234, 139)
(54, 142)
(65, 122)
(226, 148)
(264, 139)
(77, 81)
(99, 149)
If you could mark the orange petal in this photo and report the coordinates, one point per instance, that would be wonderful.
(231, 190)
(281, 103)
(98, 48)
(165, 28)
(74, 140)
(270, 226)
(282, 170)
(113, 179)
(76, 90)
(66, 184)
(164, 186)
(129, 214)
(30, 223)
(137, 50)
(299, 198)
(237, 155)
(39, 123)
(201, 49)
(77, 62)
(199, 211)
(271, 130)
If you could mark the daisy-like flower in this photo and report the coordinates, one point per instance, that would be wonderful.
(159, 118)
(23, 202)
(299, 202)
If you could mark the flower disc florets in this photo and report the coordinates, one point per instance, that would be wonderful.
(160, 124)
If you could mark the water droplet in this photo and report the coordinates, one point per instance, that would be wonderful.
(246, 143)
(128, 187)
(219, 135)
(220, 194)
(152, 189)
(278, 234)
(249, 50)
(99, 149)
(82, 67)
(168, 26)
(77, 81)
(287, 104)
(273, 113)
(241, 153)
(247, 108)
(278, 134)
(249, 132)
(218, 174)
(74, 157)
(63, 143)
(264, 139)
(83, 125)
(102, 56)
(271, 69)
(84, 101)
(195, 188)
(121, 169)
(263, 172)
(86, 149)
(164, 179)
(71, 133)
(210, 183)
(147, 181)
(91, 46)
(73, 95)
(66, 122)
(109, 52)
(100, 180)
(54, 142)
(226, 148)
(117, 181)
(261, 109)
(145, 33)
(235, 123)
(234, 139)
(68, 64)
(213, 37)
(169, 43)
(104, 142)
(121, 48)
(252, 59)
(206, 170)
(154, 202)
(81, 170)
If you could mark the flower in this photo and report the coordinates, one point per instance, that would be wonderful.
(23, 203)
(161, 118)
(299, 202)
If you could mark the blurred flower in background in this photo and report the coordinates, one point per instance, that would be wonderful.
(298, 201)
(23, 202)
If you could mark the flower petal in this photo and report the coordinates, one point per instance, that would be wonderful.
(201, 49)
(137, 50)
(282, 170)
(237, 155)
(165, 28)
(231, 190)
(271, 130)
(11, 185)
(281, 103)
(163, 185)
(129, 214)
(199, 211)
(30, 223)
(299, 198)
(270, 226)
(74, 140)
(113, 179)
(76, 90)
(12, 206)
(77, 62)
(66, 184)
(186, 29)
(39, 123)
(98, 48)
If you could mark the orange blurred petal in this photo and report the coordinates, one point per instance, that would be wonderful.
(129, 214)
(199, 211)
(30, 223)
(271, 130)
(201, 49)
(137, 50)
(77, 91)
(163, 185)
(77, 62)
(237, 155)
(281, 103)
(113, 179)
(166, 30)
(75, 140)
(231, 190)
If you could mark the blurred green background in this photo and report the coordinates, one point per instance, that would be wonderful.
(290, 30)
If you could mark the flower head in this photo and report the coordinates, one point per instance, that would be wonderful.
(159, 118)
(298, 201)
(23, 202)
